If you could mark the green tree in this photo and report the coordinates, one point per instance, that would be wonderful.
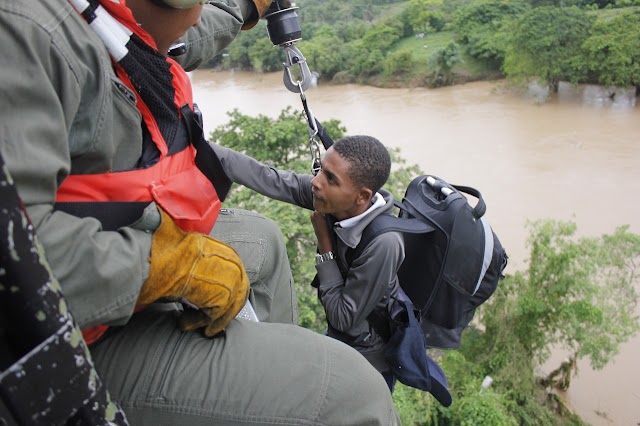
(238, 51)
(264, 56)
(546, 44)
(425, 16)
(483, 28)
(398, 62)
(443, 60)
(613, 51)
(368, 53)
(578, 294)
(324, 52)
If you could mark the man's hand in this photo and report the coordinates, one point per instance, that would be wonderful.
(323, 233)
(261, 7)
(199, 269)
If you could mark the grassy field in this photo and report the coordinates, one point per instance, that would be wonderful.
(606, 14)
(422, 48)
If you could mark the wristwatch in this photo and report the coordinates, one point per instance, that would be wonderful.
(324, 257)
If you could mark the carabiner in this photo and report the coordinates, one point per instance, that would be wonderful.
(292, 57)
(314, 147)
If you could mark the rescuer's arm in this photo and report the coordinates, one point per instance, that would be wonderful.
(43, 100)
(287, 186)
(220, 24)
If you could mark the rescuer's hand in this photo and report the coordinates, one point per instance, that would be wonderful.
(198, 269)
(261, 7)
(278, 5)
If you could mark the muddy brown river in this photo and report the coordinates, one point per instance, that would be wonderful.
(575, 157)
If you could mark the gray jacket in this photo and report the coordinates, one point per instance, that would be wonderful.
(347, 301)
(62, 111)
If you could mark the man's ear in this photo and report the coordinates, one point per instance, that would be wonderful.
(364, 196)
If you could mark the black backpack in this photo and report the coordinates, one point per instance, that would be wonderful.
(453, 259)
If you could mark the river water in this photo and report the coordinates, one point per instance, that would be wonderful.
(575, 157)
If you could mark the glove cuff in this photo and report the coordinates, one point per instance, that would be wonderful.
(259, 8)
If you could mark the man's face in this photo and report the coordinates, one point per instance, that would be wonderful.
(333, 190)
(184, 20)
(165, 25)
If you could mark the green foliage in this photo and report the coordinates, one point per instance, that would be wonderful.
(325, 52)
(398, 62)
(613, 51)
(443, 60)
(487, 408)
(252, 50)
(380, 37)
(579, 293)
(401, 174)
(414, 407)
(365, 56)
(483, 28)
(367, 63)
(264, 57)
(546, 44)
(425, 16)
(333, 11)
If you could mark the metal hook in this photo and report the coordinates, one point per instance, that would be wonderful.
(314, 147)
(294, 57)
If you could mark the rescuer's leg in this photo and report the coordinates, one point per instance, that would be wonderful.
(260, 244)
(257, 373)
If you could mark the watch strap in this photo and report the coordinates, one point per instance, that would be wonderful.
(324, 257)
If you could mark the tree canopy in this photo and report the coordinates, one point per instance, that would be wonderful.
(483, 27)
(547, 44)
(613, 51)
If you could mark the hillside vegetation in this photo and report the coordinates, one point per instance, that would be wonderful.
(437, 42)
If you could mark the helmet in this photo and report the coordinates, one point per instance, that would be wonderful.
(180, 4)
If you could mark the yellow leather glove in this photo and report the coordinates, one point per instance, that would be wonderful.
(261, 8)
(199, 269)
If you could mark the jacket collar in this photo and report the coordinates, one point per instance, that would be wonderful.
(351, 236)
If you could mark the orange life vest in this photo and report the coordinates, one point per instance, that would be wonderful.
(180, 173)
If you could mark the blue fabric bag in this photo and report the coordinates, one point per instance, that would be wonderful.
(406, 355)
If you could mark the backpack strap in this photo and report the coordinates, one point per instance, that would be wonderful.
(387, 223)
(379, 225)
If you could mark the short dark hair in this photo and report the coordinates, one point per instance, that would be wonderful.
(369, 159)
